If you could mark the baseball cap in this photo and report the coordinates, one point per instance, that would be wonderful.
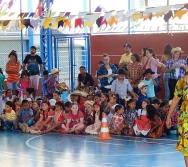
(127, 45)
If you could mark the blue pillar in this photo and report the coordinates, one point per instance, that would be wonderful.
(46, 42)
(29, 31)
(21, 34)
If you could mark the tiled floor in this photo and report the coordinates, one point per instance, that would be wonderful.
(55, 150)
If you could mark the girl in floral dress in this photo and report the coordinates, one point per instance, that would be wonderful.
(97, 117)
(118, 123)
(181, 92)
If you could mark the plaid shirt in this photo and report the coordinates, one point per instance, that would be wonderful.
(103, 71)
(170, 63)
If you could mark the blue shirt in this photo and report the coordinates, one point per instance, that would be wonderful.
(121, 88)
(140, 98)
(44, 87)
(24, 114)
(150, 91)
(103, 71)
(64, 96)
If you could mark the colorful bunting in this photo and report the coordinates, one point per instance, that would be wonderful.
(26, 23)
(87, 24)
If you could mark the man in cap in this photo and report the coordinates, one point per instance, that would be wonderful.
(126, 58)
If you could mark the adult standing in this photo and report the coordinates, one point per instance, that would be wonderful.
(33, 61)
(12, 69)
(144, 58)
(126, 58)
(154, 64)
(181, 93)
(165, 57)
(107, 73)
(176, 68)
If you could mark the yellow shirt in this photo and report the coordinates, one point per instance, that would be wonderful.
(10, 116)
(126, 58)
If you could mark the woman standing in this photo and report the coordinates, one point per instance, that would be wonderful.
(135, 72)
(144, 59)
(12, 69)
(176, 68)
(154, 64)
(165, 57)
(181, 92)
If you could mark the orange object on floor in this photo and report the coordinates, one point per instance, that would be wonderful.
(104, 133)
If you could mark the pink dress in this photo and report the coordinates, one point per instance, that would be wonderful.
(23, 86)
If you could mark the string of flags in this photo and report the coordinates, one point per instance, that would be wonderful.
(100, 17)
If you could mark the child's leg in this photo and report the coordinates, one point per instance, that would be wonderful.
(79, 128)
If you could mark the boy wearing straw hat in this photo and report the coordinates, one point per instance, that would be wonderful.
(52, 82)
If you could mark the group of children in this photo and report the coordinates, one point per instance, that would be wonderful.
(82, 113)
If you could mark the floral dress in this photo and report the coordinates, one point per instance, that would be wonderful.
(181, 92)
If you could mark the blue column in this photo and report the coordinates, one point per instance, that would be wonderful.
(29, 31)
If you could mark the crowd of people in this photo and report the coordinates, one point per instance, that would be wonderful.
(127, 93)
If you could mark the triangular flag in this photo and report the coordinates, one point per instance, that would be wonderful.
(21, 26)
(168, 16)
(4, 24)
(112, 20)
(107, 15)
(67, 23)
(67, 14)
(184, 7)
(180, 13)
(147, 16)
(159, 14)
(98, 9)
(99, 21)
(60, 19)
(26, 23)
(60, 23)
(35, 23)
(47, 22)
(87, 24)
(78, 22)
(136, 16)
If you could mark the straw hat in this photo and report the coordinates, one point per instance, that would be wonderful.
(55, 70)
(141, 85)
(76, 92)
(177, 49)
(62, 85)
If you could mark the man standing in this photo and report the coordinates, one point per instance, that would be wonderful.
(126, 58)
(33, 62)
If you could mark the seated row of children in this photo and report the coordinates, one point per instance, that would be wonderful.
(84, 115)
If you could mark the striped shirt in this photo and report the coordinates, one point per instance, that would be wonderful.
(13, 77)
(10, 116)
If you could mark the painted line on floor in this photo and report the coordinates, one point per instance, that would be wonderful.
(101, 142)
(57, 152)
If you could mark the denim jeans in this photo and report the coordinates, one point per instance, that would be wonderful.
(167, 90)
(155, 87)
(12, 85)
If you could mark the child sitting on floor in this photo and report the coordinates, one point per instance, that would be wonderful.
(9, 116)
(97, 117)
(75, 120)
(46, 116)
(130, 115)
(118, 123)
(57, 120)
(142, 122)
